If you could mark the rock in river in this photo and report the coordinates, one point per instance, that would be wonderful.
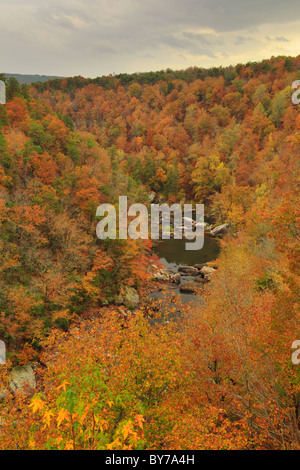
(190, 287)
(176, 278)
(188, 270)
(220, 230)
(199, 266)
(200, 280)
(206, 270)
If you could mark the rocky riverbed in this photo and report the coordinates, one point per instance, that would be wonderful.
(187, 278)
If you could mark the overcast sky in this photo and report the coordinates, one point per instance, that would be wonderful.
(98, 37)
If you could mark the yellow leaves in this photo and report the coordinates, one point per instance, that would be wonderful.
(129, 432)
(37, 404)
(63, 415)
(31, 444)
(58, 440)
(47, 418)
(161, 175)
(103, 424)
(262, 191)
(236, 215)
(69, 445)
(126, 435)
(127, 428)
(112, 445)
(82, 402)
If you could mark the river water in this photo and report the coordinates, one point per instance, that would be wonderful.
(172, 254)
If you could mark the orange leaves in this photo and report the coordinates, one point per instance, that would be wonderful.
(140, 420)
(63, 386)
(7, 259)
(223, 379)
(133, 261)
(58, 129)
(16, 140)
(161, 175)
(87, 192)
(17, 112)
(102, 262)
(102, 387)
(87, 198)
(29, 218)
(28, 353)
(45, 167)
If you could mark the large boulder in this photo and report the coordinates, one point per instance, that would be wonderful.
(199, 266)
(200, 280)
(2, 352)
(189, 287)
(3, 394)
(22, 378)
(190, 270)
(160, 277)
(207, 270)
(176, 278)
(188, 220)
(128, 296)
(212, 264)
(220, 230)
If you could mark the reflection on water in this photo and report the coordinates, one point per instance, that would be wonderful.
(172, 253)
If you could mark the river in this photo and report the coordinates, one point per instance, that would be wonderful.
(172, 254)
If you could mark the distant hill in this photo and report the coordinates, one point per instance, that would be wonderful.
(30, 78)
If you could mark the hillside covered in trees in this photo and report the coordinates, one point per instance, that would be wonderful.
(221, 375)
(28, 79)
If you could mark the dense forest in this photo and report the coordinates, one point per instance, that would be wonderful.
(221, 375)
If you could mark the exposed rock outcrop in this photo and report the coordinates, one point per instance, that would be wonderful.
(190, 287)
(220, 230)
(128, 296)
(22, 378)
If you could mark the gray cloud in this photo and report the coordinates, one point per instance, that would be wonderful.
(191, 46)
(278, 39)
(241, 40)
(94, 37)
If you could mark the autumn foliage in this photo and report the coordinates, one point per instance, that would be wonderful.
(220, 375)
